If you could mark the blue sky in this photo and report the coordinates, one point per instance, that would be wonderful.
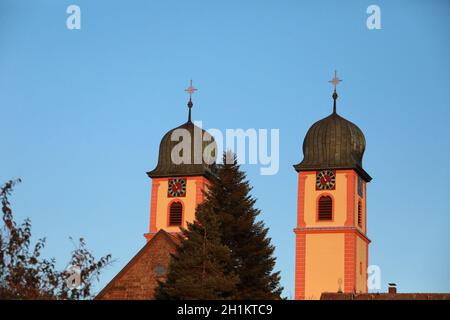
(83, 112)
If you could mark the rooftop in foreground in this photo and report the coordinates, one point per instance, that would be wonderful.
(384, 296)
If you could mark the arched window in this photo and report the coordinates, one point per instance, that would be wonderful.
(175, 214)
(359, 214)
(325, 208)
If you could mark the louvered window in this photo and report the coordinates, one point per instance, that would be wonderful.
(359, 214)
(175, 214)
(325, 208)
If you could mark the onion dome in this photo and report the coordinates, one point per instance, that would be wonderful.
(334, 143)
(186, 150)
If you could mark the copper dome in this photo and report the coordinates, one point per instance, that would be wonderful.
(197, 166)
(333, 143)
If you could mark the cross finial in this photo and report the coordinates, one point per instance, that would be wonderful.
(190, 90)
(335, 81)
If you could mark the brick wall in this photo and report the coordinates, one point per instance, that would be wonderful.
(138, 278)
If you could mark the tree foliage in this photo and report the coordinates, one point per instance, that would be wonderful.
(245, 236)
(227, 238)
(24, 274)
(197, 269)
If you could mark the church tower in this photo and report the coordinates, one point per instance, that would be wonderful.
(186, 155)
(331, 241)
(179, 179)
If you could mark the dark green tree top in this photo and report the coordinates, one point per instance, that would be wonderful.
(225, 253)
(197, 269)
(243, 234)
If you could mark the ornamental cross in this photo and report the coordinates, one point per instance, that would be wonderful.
(190, 90)
(335, 81)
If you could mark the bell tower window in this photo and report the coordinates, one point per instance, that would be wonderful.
(175, 214)
(325, 211)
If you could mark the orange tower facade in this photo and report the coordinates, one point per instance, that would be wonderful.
(331, 242)
(173, 202)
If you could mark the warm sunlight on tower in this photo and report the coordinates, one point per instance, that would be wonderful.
(331, 241)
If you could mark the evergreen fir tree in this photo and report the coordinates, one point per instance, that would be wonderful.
(252, 252)
(225, 253)
(198, 268)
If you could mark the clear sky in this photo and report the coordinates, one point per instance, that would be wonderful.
(82, 113)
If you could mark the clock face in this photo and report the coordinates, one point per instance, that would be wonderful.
(325, 180)
(177, 187)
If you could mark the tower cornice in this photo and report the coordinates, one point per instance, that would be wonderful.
(309, 230)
